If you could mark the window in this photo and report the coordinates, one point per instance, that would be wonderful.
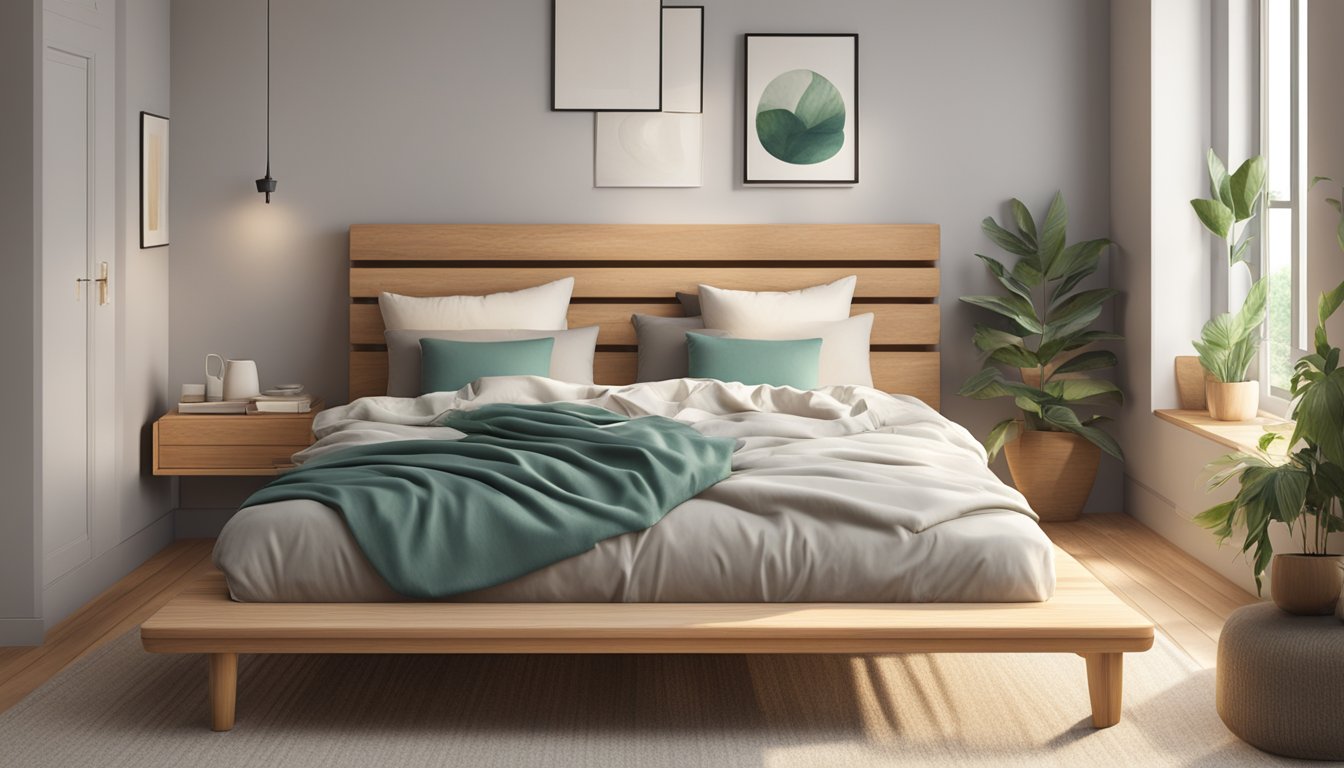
(1283, 138)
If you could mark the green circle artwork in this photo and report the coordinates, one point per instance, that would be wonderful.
(801, 118)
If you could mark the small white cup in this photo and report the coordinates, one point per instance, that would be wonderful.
(193, 393)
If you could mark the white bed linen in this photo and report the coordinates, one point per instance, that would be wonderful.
(839, 494)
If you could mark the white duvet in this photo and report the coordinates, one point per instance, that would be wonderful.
(838, 494)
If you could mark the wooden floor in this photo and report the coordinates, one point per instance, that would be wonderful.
(1186, 600)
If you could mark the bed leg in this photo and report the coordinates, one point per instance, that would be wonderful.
(223, 690)
(1105, 676)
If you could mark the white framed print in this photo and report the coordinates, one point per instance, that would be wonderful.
(801, 117)
(607, 55)
(683, 58)
(153, 180)
(647, 149)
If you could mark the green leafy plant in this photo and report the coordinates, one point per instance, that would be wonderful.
(1305, 488)
(1229, 341)
(1235, 203)
(1044, 327)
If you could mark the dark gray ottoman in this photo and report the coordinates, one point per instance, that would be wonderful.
(1281, 681)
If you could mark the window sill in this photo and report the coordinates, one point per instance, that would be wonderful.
(1237, 435)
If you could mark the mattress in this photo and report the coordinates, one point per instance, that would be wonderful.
(841, 494)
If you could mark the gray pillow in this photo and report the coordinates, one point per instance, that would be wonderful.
(690, 303)
(571, 358)
(662, 345)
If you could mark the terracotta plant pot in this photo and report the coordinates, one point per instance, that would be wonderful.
(1054, 470)
(1190, 379)
(1238, 401)
(1306, 585)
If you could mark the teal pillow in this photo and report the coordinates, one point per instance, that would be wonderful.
(447, 366)
(787, 363)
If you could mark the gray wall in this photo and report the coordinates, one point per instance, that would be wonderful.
(20, 544)
(1325, 154)
(429, 111)
(143, 291)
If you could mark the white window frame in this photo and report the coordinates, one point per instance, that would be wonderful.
(1276, 399)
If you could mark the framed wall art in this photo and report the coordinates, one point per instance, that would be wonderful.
(683, 58)
(607, 55)
(801, 117)
(153, 180)
(660, 149)
(647, 149)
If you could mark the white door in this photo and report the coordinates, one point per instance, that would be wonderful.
(78, 236)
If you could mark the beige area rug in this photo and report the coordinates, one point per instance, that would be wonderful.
(121, 706)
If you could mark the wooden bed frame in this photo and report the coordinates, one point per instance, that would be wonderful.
(621, 269)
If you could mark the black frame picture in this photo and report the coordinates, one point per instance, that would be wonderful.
(800, 122)
(153, 180)
(580, 38)
(700, 12)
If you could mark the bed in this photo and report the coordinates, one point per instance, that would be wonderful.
(620, 270)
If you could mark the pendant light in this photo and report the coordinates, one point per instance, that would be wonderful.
(266, 184)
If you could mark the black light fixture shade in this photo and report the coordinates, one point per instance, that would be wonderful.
(266, 184)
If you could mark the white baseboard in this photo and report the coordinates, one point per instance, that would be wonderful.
(1160, 514)
(21, 631)
(65, 595)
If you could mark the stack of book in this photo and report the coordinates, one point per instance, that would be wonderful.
(290, 399)
(212, 406)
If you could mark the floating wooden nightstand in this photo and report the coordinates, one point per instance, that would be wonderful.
(225, 445)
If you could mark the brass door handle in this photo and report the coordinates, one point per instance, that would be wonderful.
(101, 280)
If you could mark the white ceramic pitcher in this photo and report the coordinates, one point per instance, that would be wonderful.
(237, 379)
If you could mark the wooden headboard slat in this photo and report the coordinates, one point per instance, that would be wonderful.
(621, 269)
(640, 242)
(627, 282)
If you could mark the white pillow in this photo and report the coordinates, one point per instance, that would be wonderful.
(543, 308)
(844, 349)
(571, 357)
(755, 314)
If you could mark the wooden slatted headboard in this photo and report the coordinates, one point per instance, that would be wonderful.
(621, 269)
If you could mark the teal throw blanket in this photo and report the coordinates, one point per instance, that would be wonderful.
(528, 486)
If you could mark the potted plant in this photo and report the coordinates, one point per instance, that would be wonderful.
(1044, 336)
(1227, 347)
(1303, 489)
(1228, 342)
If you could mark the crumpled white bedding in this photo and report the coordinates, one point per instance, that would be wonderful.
(839, 494)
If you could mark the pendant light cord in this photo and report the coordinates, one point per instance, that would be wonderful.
(266, 184)
(268, 87)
